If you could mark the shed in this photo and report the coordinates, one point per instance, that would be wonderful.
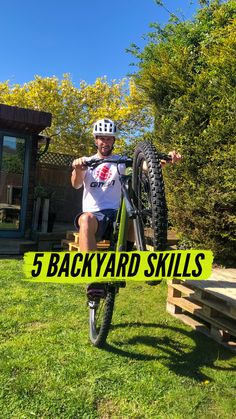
(19, 142)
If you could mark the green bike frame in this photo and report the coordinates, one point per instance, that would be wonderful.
(122, 221)
(123, 226)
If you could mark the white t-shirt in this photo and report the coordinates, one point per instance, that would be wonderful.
(102, 188)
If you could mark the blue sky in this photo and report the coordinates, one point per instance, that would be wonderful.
(86, 38)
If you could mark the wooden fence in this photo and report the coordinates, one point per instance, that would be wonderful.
(53, 173)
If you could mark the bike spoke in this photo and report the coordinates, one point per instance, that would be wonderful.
(100, 318)
(98, 314)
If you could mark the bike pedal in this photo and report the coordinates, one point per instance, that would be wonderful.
(154, 283)
(96, 291)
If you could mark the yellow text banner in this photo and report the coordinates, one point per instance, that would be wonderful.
(84, 267)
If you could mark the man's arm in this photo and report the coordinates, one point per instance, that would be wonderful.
(78, 174)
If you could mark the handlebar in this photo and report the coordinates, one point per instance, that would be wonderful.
(122, 160)
(128, 161)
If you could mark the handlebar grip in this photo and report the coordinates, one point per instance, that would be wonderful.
(163, 156)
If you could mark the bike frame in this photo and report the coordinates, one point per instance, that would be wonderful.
(126, 209)
(122, 215)
(122, 222)
(101, 309)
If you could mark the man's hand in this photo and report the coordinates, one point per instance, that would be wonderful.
(78, 172)
(79, 164)
(175, 157)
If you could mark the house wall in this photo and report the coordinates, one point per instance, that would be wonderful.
(22, 123)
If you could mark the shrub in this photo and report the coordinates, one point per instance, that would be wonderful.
(187, 72)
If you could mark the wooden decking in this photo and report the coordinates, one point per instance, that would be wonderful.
(71, 242)
(207, 306)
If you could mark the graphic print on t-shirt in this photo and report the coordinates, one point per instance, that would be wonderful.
(102, 188)
(103, 173)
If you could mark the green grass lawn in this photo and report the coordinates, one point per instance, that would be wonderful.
(153, 366)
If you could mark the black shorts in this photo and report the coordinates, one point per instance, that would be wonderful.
(105, 220)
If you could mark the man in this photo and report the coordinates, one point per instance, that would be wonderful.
(101, 197)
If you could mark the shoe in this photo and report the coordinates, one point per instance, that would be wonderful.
(153, 283)
(96, 291)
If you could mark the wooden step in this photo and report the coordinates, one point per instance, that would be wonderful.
(70, 235)
(219, 335)
(71, 242)
(172, 238)
(210, 304)
(171, 242)
(76, 237)
(204, 312)
(102, 245)
(65, 244)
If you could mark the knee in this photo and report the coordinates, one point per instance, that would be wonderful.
(87, 220)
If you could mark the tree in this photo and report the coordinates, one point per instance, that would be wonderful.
(75, 109)
(187, 73)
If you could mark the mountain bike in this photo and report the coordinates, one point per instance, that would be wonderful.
(142, 201)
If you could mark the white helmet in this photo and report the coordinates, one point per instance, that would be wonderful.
(105, 127)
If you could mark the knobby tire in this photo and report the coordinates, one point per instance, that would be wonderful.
(149, 197)
(99, 332)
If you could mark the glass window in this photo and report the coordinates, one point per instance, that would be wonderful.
(11, 182)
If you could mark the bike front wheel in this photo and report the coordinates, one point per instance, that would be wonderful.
(149, 195)
(100, 316)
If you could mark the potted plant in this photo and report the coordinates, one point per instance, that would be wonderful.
(44, 214)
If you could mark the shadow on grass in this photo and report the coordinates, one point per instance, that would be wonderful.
(179, 357)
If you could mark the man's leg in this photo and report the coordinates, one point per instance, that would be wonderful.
(88, 226)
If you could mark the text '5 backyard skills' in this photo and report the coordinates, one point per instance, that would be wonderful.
(83, 267)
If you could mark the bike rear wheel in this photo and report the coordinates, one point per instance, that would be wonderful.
(100, 316)
(149, 195)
